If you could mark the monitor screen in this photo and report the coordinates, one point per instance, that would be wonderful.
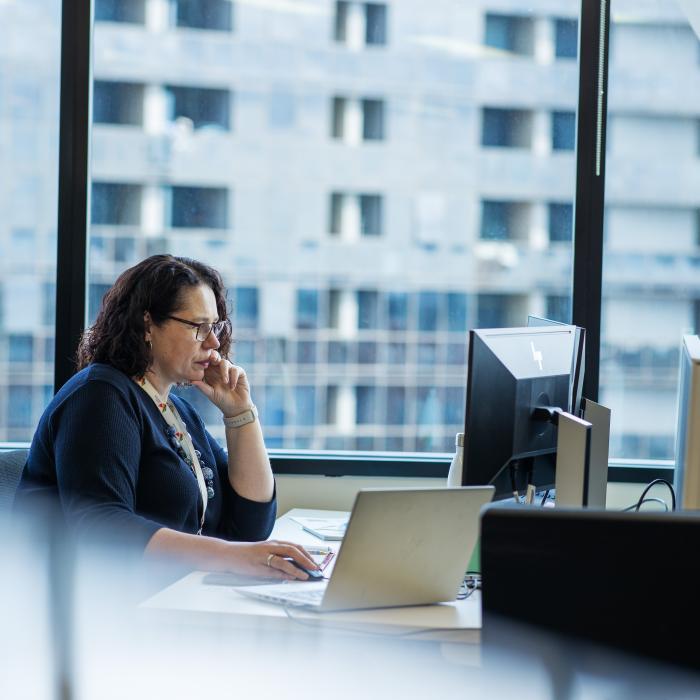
(512, 372)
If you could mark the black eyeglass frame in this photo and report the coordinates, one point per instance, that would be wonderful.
(215, 328)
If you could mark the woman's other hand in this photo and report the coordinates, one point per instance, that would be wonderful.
(270, 559)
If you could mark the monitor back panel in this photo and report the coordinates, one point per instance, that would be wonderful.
(628, 580)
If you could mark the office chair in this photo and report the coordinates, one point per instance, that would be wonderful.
(11, 466)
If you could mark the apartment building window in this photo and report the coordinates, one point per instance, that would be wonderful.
(502, 221)
(129, 11)
(510, 128)
(307, 309)
(397, 310)
(204, 107)
(565, 38)
(199, 207)
(124, 249)
(563, 131)
(115, 204)
(365, 404)
(512, 33)
(358, 23)
(558, 308)
(395, 405)
(457, 312)
(306, 352)
(354, 215)
(355, 120)
(367, 353)
(117, 103)
(375, 24)
(204, 14)
(19, 406)
(338, 352)
(96, 292)
(21, 348)
(561, 222)
(367, 310)
(428, 311)
(246, 307)
(371, 214)
(493, 311)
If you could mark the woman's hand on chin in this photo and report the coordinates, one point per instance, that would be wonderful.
(225, 385)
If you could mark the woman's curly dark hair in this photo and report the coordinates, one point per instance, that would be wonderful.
(155, 285)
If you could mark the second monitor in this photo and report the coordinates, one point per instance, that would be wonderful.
(519, 381)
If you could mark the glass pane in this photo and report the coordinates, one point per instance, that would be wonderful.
(362, 227)
(30, 36)
(651, 285)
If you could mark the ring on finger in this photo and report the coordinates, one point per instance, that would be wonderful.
(269, 559)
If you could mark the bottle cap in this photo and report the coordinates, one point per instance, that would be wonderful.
(459, 440)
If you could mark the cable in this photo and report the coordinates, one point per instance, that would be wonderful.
(635, 506)
(653, 483)
(545, 497)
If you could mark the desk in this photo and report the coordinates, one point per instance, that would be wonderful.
(457, 621)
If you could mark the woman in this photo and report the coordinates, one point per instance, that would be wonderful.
(126, 456)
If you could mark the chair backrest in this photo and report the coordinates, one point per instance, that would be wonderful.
(11, 466)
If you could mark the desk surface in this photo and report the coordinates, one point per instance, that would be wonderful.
(191, 595)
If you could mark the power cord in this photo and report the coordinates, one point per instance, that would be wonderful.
(642, 498)
(636, 506)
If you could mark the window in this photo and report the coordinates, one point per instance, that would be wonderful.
(352, 216)
(356, 23)
(397, 303)
(563, 131)
(19, 407)
(559, 308)
(371, 214)
(259, 153)
(116, 204)
(457, 311)
(510, 33)
(561, 222)
(395, 405)
(365, 404)
(511, 128)
(199, 207)
(204, 14)
(428, 308)
(246, 307)
(367, 309)
(131, 11)
(21, 348)
(355, 120)
(307, 308)
(502, 221)
(117, 103)
(204, 107)
(565, 38)
(375, 24)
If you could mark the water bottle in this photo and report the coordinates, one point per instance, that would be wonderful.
(454, 476)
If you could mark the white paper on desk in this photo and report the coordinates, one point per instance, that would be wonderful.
(324, 528)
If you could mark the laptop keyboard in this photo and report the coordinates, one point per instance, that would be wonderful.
(302, 597)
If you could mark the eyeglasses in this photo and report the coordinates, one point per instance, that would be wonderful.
(204, 329)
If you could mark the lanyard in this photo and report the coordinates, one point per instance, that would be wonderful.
(172, 418)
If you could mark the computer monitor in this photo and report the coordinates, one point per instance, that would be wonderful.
(518, 380)
(687, 472)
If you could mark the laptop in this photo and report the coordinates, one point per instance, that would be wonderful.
(401, 547)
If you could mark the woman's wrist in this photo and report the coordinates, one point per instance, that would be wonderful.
(241, 418)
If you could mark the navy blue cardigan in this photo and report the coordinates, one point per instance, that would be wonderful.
(101, 446)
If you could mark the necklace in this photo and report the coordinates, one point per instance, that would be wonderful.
(182, 442)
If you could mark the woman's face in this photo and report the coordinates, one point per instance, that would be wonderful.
(177, 354)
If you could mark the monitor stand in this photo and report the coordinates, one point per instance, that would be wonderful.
(572, 474)
(581, 478)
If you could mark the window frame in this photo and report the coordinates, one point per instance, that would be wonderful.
(73, 207)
